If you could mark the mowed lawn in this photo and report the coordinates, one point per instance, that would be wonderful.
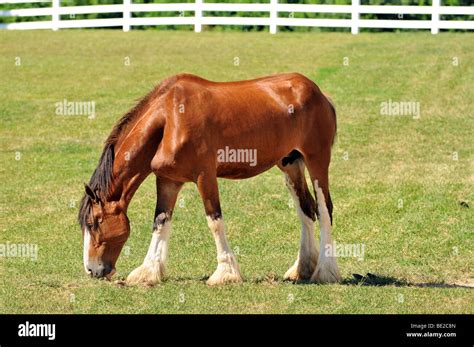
(402, 187)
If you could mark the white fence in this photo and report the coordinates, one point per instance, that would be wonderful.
(272, 20)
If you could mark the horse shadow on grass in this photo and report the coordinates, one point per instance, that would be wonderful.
(371, 280)
(380, 280)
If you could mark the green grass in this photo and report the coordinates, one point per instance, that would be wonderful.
(423, 252)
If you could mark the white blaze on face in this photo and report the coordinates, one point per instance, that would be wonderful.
(87, 241)
(91, 265)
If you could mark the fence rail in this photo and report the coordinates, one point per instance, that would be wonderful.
(272, 20)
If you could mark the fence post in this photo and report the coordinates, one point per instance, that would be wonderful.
(198, 16)
(55, 16)
(435, 16)
(126, 15)
(355, 17)
(273, 16)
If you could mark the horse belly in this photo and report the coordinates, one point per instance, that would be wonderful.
(255, 149)
(245, 160)
(240, 170)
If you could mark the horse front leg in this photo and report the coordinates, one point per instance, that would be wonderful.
(153, 268)
(227, 267)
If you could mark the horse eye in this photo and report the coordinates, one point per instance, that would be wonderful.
(92, 225)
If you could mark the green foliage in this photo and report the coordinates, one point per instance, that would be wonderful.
(244, 14)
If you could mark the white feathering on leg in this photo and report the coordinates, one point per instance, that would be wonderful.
(152, 270)
(327, 270)
(227, 267)
(306, 261)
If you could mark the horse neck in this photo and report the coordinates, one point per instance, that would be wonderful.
(134, 152)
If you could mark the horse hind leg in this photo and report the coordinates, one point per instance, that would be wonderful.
(327, 270)
(307, 258)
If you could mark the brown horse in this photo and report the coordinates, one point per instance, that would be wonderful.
(189, 129)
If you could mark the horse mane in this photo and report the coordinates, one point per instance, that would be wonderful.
(102, 178)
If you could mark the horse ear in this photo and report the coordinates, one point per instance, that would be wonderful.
(90, 193)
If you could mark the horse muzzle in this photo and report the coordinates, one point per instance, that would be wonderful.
(101, 271)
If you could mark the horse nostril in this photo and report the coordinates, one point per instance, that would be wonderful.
(99, 271)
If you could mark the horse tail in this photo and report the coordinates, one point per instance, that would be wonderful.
(333, 109)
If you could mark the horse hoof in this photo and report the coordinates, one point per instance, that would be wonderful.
(219, 278)
(145, 275)
(327, 272)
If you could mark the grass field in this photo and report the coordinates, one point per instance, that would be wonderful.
(401, 186)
